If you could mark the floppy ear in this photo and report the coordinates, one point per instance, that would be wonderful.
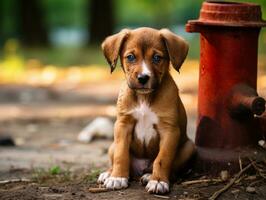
(111, 47)
(176, 46)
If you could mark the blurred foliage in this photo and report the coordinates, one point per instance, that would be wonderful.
(130, 13)
(65, 56)
(155, 13)
(13, 62)
(73, 15)
(8, 20)
(66, 13)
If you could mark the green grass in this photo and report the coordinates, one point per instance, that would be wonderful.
(57, 174)
(92, 176)
(52, 174)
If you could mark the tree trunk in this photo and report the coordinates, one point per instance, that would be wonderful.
(101, 20)
(32, 29)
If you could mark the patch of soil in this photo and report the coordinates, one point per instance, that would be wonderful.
(77, 185)
(71, 191)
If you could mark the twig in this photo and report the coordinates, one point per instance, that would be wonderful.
(98, 190)
(255, 182)
(240, 163)
(258, 170)
(161, 196)
(240, 179)
(17, 180)
(186, 183)
(231, 182)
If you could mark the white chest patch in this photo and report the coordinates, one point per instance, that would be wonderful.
(146, 118)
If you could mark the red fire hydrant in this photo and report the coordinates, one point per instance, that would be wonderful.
(228, 105)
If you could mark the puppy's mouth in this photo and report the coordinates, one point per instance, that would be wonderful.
(141, 89)
(144, 91)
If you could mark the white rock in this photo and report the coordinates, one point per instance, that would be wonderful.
(250, 189)
(224, 175)
(262, 143)
(99, 127)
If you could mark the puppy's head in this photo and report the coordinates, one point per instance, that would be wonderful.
(145, 54)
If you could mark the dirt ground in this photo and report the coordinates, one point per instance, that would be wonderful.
(70, 187)
(44, 123)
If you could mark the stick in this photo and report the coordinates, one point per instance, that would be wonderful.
(3, 182)
(240, 163)
(240, 179)
(161, 196)
(258, 170)
(255, 182)
(98, 190)
(186, 183)
(232, 181)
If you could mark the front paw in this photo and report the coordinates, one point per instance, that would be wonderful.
(103, 176)
(116, 183)
(157, 187)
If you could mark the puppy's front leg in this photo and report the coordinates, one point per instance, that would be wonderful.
(159, 181)
(122, 139)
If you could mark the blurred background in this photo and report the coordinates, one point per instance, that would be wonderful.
(54, 80)
(66, 33)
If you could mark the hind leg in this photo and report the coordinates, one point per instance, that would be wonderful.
(104, 175)
(183, 155)
(145, 179)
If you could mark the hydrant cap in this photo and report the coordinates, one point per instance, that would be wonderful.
(233, 14)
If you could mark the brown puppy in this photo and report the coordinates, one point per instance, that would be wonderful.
(150, 130)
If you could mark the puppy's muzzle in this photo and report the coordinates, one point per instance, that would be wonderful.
(143, 79)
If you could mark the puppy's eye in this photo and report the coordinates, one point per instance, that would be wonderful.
(156, 59)
(131, 58)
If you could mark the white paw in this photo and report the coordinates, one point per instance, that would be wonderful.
(103, 176)
(116, 183)
(157, 187)
(145, 179)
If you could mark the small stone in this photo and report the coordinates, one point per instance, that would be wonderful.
(19, 141)
(121, 193)
(235, 191)
(32, 128)
(262, 143)
(224, 175)
(250, 189)
(6, 141)
(251, 178)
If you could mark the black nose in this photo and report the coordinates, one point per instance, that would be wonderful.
(143, 78)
